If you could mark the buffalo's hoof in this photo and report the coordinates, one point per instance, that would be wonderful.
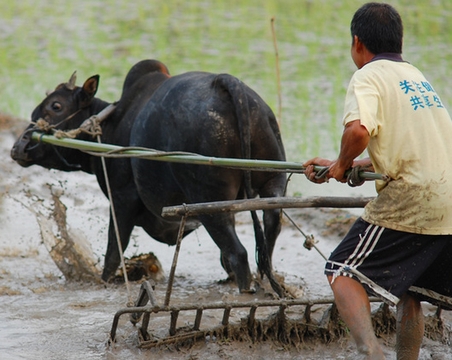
(251, 290)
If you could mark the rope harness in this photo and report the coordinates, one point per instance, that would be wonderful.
(353, 175)
(90, 126)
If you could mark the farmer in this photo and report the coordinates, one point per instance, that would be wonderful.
(402, 244)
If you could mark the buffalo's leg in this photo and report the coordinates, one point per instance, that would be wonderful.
(227, 267)
(112, 256)
(274, 187)
(272, 218)
(272, 228)
(234, 256)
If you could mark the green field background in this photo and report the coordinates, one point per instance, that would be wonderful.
(43, 42)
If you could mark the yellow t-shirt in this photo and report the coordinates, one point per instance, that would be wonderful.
(411, 142)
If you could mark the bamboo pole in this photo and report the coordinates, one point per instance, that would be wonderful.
(108, 150)
(264, 204)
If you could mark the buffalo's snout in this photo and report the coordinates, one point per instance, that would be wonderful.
(19, 151)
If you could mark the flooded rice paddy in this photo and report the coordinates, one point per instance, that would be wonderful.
(46, 317)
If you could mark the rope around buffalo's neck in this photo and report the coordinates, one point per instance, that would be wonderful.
(90, 126)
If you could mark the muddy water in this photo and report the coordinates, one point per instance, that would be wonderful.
(46, 317)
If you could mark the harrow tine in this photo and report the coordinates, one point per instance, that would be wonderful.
(226, 314)
(198, 319)
(174, 316)
(145, 295)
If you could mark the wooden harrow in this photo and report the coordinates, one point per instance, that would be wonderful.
(276, 323)
(285, 321)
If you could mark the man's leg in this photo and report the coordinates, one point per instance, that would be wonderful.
(410, 328)
(354, 307)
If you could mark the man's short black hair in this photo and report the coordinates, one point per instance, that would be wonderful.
(379, 27)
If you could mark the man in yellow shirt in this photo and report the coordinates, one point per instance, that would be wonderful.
(403, 240)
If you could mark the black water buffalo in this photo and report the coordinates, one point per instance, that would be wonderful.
(209, 114)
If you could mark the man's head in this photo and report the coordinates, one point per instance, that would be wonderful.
(379, 27)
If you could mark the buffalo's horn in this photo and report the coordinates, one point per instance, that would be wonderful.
(71, 83)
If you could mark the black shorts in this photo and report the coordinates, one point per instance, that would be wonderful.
(396, 261)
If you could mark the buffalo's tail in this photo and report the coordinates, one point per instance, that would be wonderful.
(236, 90)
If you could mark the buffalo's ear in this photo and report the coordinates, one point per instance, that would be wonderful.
(89, 89)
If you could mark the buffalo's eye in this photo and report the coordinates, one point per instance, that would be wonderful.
(56, 106)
